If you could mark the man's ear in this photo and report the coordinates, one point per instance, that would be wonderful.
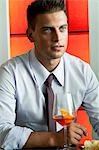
(30, 34)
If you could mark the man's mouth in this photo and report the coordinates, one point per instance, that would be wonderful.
(57, 47)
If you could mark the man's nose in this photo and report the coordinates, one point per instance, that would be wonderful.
(56, 36)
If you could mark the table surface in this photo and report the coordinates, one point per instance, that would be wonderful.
(55, 148)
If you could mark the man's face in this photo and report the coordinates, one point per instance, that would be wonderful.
(50, 35)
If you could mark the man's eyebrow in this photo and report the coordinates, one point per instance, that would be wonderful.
(64, 25)
(51, 27)
(46, 27)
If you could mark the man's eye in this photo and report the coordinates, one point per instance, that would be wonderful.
(47, 30)
(63, 29)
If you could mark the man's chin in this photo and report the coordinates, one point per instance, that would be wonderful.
(57, 56)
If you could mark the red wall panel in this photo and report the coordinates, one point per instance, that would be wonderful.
(84, 120)
(77, 11)
(78, 45)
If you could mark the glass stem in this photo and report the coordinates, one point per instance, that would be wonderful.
(65, 137)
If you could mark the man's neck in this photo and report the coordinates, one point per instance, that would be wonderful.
(51, 64)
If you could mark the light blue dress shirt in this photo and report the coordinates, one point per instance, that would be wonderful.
(22, 103)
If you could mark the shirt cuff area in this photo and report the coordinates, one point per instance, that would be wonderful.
(16, 138)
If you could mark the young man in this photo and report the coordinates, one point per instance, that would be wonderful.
(23, 121)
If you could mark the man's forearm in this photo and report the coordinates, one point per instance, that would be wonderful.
(44, 139)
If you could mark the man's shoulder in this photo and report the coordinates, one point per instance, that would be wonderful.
(17, 61)
(76, 64)
(71, 59)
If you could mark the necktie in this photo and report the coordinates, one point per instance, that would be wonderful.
(49, 99)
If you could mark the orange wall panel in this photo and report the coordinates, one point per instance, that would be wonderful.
(18, 23)
(19, 45)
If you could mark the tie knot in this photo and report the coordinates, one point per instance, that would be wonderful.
(48, 81)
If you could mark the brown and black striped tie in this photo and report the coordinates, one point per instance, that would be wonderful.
(49, 98)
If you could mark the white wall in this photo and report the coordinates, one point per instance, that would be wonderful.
(94, 35)
(94, 39)
(4, 31)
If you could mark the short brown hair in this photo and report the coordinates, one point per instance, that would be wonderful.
(41, 7)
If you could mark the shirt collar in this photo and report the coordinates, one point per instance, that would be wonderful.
(41, 73)
(59, 72)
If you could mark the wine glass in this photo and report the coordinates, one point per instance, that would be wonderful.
(64, 113)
